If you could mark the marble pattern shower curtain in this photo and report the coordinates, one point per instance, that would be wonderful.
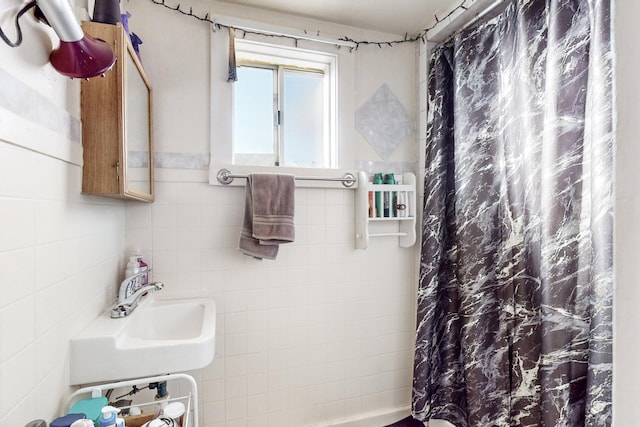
(515, 296)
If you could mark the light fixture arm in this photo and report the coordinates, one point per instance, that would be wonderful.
(60, 16)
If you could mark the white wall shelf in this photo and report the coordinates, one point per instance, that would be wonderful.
(392, 222)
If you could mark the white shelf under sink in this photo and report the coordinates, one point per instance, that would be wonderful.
(181, 388)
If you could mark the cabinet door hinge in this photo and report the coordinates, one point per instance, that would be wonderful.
(117, 166)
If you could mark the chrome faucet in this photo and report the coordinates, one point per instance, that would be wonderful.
(131, 293)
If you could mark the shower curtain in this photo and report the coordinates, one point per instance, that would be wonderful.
(515, 295)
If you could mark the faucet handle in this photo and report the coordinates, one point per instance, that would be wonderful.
(127, 288)
(118, 311)
(158, 285)
(130, 285)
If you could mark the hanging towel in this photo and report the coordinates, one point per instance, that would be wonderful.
(268, 214)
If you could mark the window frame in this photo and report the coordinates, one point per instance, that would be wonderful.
(220, 105)
(295, 59)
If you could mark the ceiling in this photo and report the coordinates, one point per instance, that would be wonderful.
(389, 16)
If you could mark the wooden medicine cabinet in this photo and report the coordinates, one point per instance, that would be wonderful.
(117, 123)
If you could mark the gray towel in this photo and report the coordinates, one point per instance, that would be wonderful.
(268, 214)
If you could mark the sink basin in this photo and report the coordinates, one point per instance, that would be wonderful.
(159, 337)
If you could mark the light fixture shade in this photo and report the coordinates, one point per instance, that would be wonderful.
(78, 54)
(84, 58)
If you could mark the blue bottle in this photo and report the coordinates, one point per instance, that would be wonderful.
(108, 418)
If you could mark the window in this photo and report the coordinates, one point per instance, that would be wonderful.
(283, 107)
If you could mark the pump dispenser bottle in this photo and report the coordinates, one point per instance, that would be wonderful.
(144, 268)
(133, 267)
(108, 418)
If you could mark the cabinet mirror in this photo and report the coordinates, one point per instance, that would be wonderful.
(137, 129)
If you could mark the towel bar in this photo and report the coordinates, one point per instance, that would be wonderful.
(225, 177)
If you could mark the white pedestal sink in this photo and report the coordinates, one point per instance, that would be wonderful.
(159, 337)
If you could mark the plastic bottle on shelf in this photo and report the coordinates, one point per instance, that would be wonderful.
(393, 196)
(144, 268)
(133, 267)
(175, 411)
(91, 407)
(67, 420)
(108, 418)
(377, 179)
(389, 197)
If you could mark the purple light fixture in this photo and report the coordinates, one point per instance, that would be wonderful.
(78, 55)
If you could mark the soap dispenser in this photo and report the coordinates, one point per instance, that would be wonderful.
(133, 267)
(144, 268)
(108, 418)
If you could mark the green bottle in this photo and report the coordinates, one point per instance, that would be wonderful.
(390, 197)
(377, 179)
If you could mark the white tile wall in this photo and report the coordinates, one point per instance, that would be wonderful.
(321, 334)
(294, 334)
(60, 259)
(627, 316)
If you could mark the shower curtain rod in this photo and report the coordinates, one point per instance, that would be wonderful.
(225, 177)
(271, 30)
(483, 12)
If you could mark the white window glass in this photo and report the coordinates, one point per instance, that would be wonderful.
(284, 111)
(254, 127)
(303, 119)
